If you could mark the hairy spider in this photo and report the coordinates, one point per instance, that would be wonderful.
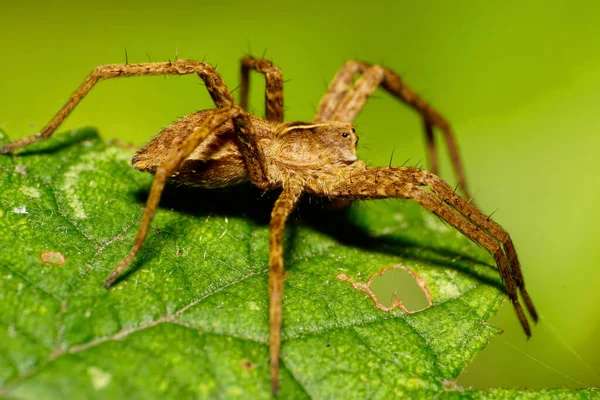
(228, 145)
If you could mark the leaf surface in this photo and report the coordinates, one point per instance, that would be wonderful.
(190, 318)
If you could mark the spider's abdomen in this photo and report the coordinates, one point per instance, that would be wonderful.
(216, 162)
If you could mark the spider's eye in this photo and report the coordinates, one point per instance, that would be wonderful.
(345, 134)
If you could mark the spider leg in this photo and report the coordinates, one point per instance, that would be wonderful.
(254, 156)
(342, 102)
(283, 207)
(430, 141)
(339, 87)
(432, 203)
(444, 191)
(274, 86)
(215, 85)
(404, 182)
(166, 169)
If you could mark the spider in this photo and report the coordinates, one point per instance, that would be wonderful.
(227, 145)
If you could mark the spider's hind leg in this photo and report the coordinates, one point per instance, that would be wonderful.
(214, 84)
(167, 167)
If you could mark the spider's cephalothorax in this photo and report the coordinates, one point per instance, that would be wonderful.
(228, 145)
(305, 150)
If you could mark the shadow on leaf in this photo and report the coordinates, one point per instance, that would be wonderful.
(247, 201)
(63, 141)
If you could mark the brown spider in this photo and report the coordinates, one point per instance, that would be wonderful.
(227, 145)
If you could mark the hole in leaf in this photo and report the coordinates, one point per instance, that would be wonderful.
(400, 282)
(417, 295)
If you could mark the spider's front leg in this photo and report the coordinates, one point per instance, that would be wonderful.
(283, 207)
(273, 86)
(405, 182)
(345, 98)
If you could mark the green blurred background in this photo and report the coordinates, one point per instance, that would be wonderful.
(519, 81)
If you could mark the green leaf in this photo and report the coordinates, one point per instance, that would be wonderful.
(190, 318)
